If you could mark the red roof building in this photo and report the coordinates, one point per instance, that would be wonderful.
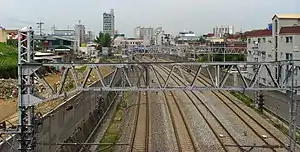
(290, 30)
(259, 33)
(210, 35)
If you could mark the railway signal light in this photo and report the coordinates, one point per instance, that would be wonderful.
(261, 102)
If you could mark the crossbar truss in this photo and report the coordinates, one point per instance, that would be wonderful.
(189, 49)
(214, 71)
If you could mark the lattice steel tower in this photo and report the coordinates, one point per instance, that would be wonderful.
(28, 122)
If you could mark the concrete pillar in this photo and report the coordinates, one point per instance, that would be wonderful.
(147, 76)
(235, 82)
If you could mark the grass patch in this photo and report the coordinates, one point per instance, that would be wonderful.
(8, 62)
(244, 98)
(81, 69)
(113, 133)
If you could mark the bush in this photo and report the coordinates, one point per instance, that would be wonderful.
(8, 61)
(12, 42)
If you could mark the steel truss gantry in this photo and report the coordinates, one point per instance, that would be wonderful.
(28, 72)
(190, 49)
(213, 69)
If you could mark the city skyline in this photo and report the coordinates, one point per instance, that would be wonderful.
(173, 16)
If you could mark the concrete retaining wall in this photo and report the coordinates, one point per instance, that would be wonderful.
(72, 126)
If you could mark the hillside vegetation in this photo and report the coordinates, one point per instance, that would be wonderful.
(8, 61)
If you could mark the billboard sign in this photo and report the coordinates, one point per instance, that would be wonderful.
(12, 35)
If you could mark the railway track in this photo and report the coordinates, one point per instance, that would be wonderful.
(214, 124)
(247, 119)
(262, 133)
(140, 133)
(184, 139)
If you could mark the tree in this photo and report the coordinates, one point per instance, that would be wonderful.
(98, 41)
(106, 40)
(103, 40)
(202, 39)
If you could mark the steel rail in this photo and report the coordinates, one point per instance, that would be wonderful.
(181, 114)
(205, 119)
(282, 145)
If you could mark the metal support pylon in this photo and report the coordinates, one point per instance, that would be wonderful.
(123, 85)
(293, 111)
(27, 119)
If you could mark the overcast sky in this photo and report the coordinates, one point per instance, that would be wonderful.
(199, 16)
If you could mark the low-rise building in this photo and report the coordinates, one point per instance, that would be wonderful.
(288, 48)
(57, 43)
(186, 37)
(279, 42)
(6, 34)
(130, 42)
(259, 48)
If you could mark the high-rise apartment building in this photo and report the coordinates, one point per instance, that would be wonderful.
(222, 30)
(143, 32)
(80, 33)
(109, 22)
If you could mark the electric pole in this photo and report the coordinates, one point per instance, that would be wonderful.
(53, 29)
(40, 28)
(40, 24)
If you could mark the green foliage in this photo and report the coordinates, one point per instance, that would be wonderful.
(220, 57)
(12, 42)
(103, 40)
(106, 40)
(202, 39)
(247, 100)
(229, 57)
(112, 134)
(38, 45)
(8, 61)
(69, 86)
(81, 69)
(203, 58)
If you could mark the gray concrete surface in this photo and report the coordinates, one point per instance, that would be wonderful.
(75, 125)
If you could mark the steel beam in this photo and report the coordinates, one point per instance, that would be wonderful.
(176, 88)
(241, 63)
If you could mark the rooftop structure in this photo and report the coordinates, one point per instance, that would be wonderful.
(286, 16)
(220, 31)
